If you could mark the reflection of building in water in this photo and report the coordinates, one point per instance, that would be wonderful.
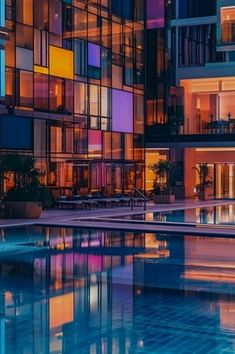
(209, 259)
(227, 314)
(152, 267)
(63, 297)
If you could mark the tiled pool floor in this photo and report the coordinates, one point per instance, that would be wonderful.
(106, 292)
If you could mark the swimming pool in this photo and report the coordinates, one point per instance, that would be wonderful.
(212, 215)
(100, 292)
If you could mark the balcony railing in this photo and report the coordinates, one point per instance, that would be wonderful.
(220, 126)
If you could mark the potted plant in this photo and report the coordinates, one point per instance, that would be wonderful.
(28, 196)
(162, 193)
(205, 181)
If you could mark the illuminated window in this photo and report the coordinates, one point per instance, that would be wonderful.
(24, 11)
(61, 62)
(56, 95)
(26, 89)
(228, 24)
(41, 91)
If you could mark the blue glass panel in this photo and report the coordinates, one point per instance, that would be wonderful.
(16, 133)
(2, 13)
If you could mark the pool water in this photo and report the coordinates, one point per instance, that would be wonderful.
(100, 292)
(213, 215)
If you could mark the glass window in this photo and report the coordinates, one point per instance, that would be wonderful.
(24, 36)
(56, 95)
(56, 16)
(40, 48)
(69, 96)
(106, 33)
(61, 62)
(106, 67)
(107, 145)
(24, 11)
(94, 122)
(41, 92)
(69, 139)
(10, 50)
(116, 146)
(41, 14)
(80, 140)
(94, 27)
(94, 100)
(80, 57)
(128, 146)
(94, 144)
(24, 59)
(117, 76)
(56, 139)
(228, 24)
(80, 98)
(26, 89)
(80, 24)
(105, 102)
(139, 114)
(116, 38)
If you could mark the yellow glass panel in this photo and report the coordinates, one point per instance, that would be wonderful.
(61, 62)
(41, 69)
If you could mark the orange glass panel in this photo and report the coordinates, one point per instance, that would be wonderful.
(61, 310)
(61, 62)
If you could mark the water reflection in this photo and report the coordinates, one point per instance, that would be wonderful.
(96, 292)
(220, 215)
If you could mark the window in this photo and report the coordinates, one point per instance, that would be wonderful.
(24, 11)
(56, 95)
(41, 14)
(16, 133)
(94, 144)
(56, 16)
(80, 98)
(80, 24)
(56, 139)
(61, 62)
(122, 111)
(129, 147)
(94, 100)
(41, 92)
(116, 146)
(26, 89)
(228, 25)
(24, 36)
(80, 141)
(80, 57)
(107, 145)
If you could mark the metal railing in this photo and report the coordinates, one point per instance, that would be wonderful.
(142, 196)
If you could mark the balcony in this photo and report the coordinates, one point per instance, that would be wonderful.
(219, 126)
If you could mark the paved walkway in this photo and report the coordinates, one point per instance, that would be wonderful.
(83, 218)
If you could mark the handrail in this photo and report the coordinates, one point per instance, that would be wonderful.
(140, 193)
(144, 198)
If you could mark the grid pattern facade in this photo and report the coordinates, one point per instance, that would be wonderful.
(74, 91)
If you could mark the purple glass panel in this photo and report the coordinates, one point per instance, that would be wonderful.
(155, 13)
(122, 111)
(94, 55)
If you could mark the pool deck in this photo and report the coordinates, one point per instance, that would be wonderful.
(83, 218)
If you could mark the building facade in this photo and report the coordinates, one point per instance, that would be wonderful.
(196, 123)
(72, 94)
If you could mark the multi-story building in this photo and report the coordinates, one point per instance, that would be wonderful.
(191, 120)
(73, 91)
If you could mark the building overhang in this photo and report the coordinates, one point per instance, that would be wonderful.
(4, 36)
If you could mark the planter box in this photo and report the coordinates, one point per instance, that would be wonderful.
(22, 210)
(164, 199)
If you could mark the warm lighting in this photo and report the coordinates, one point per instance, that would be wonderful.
(61, 62)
